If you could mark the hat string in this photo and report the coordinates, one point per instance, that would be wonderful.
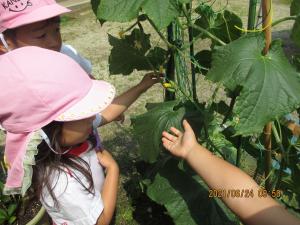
(4, 42)
(47, 140)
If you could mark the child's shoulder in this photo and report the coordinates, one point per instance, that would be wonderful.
(70, 51)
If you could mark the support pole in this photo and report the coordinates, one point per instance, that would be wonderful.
(267, 20)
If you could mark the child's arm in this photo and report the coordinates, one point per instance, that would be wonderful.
(110, 187)
(122, 102)
(295, 128)
(220, 175)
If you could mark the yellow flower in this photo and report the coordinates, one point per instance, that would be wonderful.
(167, 85)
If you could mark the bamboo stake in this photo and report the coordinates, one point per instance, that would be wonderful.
(267, 20)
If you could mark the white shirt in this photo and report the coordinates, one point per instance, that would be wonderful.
(75, 205)
(83, 62)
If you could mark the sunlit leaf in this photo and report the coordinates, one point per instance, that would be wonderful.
(161, 12)
(117, 10)
(270, 85)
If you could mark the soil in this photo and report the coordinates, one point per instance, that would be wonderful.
(31, 210)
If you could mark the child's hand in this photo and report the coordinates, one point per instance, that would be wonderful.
(180, 144)
(106, 160)
(150, 79)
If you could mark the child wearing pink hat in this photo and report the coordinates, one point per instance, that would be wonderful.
(60, 103)
(36, 23)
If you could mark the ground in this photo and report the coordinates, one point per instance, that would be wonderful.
(85, 33)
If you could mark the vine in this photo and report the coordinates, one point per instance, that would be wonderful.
(247, 65)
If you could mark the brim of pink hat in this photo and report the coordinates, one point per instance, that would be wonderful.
(40, 14)
(97, 99)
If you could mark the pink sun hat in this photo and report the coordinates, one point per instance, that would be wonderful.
(15, 13)
(37, 87)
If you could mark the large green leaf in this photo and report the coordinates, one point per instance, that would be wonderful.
(148, 127)
(186, 198)
(295, 35)
(270, 85)
(132, 52)
(295, 7)
(222, 24)
(161, 12)
(117, 10)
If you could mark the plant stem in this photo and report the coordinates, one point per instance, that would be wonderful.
(232, 103)
(268, 155)
(192, 53)
(258, 169)
(37, 217)
(239, 152)
(207, 33)
(170, 72)
(169, 45)
(191, 25)
(132, 26)
(283, 19)
(252, 14)
(267, 18)
(283, 155)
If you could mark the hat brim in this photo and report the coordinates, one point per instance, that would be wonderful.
(40, 14)
(97, 99)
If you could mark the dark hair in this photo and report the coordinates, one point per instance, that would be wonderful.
(9, 33)
(12, 32)
(48, 162)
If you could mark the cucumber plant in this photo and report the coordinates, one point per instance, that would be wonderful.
(261, 88)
